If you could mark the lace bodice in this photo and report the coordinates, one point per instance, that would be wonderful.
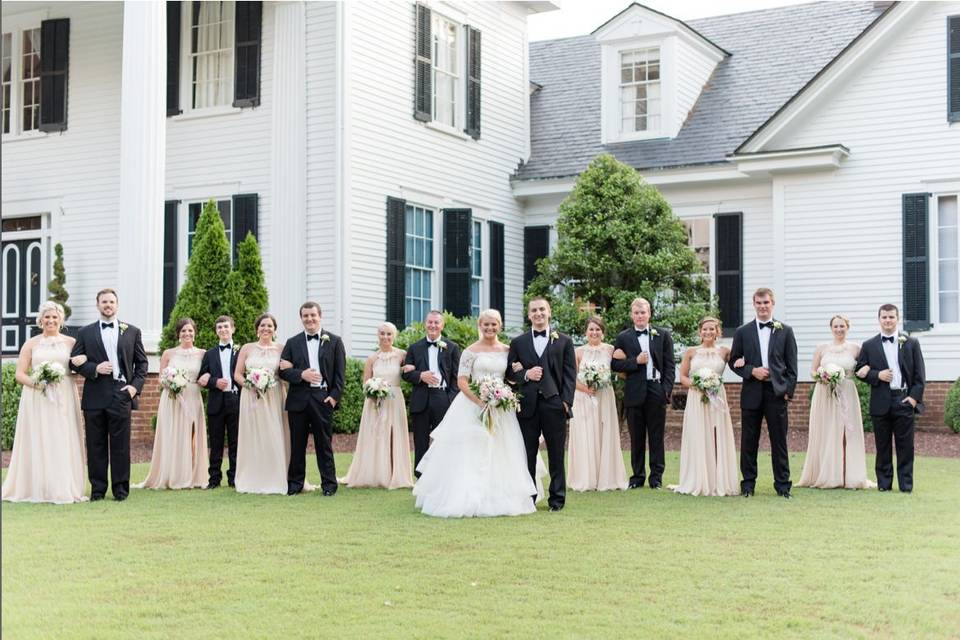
(189, 361)
(53, 349)
(476, 365)
(838, 355)
(259, 357)
(387, 366)
(600, 354)
(711, 358)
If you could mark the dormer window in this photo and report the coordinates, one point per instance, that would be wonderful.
(640, 106)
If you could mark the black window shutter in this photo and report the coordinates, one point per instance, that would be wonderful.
(246, 77)
(729, 270)
(473, 83)
(173, 57)
(497, 272)
(916, 268)
(54, 63)
(423, 66)
(396, 260)
(245, 219)
(169, 257)
(457, 268)
(536, 245)
(953, 68)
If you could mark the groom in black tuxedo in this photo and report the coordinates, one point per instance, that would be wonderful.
(542, 366)
(223, 401)
(115, 370)
(434, 379)
(764, 354)
(316, 386)
(651, 368)
(892, 364)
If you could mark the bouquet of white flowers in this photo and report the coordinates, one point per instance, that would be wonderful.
(595, 375)
(494, 393)
(174, 380)
(831, 375)
(45, 374)
(708, 383)
(377, 389)
(259, 379)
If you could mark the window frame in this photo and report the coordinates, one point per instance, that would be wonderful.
(183, 231)
(460, 83)
(645, 83)
(481, 280)
(15, 26)
(187, 110)
(435, 256)
(933, 217)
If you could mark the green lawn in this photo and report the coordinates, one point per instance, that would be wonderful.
(364, 564)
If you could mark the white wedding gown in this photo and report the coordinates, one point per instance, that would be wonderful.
(468, 471)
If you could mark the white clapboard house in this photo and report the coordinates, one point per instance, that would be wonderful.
(397, 156)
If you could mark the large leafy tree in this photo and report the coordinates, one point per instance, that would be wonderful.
(246, 291)
(618, 239)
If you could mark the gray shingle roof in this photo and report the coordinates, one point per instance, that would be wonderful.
(775, 52)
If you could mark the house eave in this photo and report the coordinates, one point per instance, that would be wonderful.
(762, 163)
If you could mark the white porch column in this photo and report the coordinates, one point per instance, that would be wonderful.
(288, 167)
(142, 168)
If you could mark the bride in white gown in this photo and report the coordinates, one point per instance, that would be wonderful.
(468, 471)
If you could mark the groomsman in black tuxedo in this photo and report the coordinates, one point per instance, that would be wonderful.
(223, 400)
(434, 379)
(316, 386)
(542, 366)
(764, 354)
(115, 370)
(651, 368)
(892, 364)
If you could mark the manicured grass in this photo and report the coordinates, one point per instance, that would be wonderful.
(365, 564)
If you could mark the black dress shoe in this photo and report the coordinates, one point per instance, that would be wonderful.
(655, 485)
(883, 488)
(634, 485)
(906, 490)
(293, 492)
(213, 485)
(556, 507)
(328, 492)
(232, 485)
(747, 493)
(96, 496)
(120, 497)
(784, 494)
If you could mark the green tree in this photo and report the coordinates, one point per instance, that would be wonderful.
(246, 292)
(618, 239)
(57, 287)
(208, 269)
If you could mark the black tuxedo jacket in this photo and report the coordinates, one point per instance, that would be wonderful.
(781, 356)
(661, 351)
(559, 364)
(333, 363)
(211, 365)
(911, 372)
(418, 355)
(98, 390)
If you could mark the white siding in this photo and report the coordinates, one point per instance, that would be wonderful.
(693, 70)
(843, 248)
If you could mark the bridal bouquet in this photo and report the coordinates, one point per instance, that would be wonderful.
(259, 379)
(831, 375)
(46, 374)
(595, 375)
(708, 383)
(377, 389)
(494, 393)
(174, 380)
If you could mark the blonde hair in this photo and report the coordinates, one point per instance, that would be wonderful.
(705, 319)
(490, 314)
(47, 306)
(388, 325)
(641, 302)
(845, 319)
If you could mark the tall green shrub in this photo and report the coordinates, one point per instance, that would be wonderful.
(57, 287)
(246, 294)
(346, 419)
(618, 239)
(208, 269)
(11, 403)
(951, 408)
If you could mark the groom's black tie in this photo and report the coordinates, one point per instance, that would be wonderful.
(540, 334)
(768, 325)
(224, 347)
(887, 338)
(431, 344)
(106, 325)
(641, 332)
(315, 336)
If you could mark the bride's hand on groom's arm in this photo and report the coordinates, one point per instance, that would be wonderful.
(407, 368)
(285, 364)
(78, 361)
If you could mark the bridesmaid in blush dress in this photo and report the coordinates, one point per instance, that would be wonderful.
(382, 458)
(46, 464)
(180, 458)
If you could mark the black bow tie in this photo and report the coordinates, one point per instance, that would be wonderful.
(887, 338)
(315, 336)
(540, 334)
(768, 325)
(224, 347)
(642, 332)
(432, 344)
(106, 325)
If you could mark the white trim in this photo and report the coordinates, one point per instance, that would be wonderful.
(30, 308)
(933, 257)
(32, 207)
(206, 112)
(203, 191)
(21, 21)
(661, 21)
(15, 312)
(342, 182)
(7, 346)
(792, 160)
(700, 175)
(187, 110)
(447, 129)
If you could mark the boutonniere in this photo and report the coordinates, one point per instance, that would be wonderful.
(235, 349)
(654, 333)
(777, 325)
(324, 338)
(554, 336)
(901, 339)
(123, 327)
(441, 345)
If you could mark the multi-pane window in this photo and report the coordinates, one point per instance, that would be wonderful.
(948, 259)
(419, 269)
(476, 261)
(640, 90)
(211, 54)
(7, 60)
(698, 238)
(194, 209)
(446, 67)
(30, 79)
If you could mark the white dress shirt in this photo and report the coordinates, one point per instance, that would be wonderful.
(313, 353)
(433, 362)
(225, 364)
(764, 333)
(110, 337)
(892, 351)
(644, 340)
(540, 342)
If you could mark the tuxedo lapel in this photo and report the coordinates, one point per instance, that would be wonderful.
(98, 340)
(755, 339)
(655, 349)
(901, 356)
